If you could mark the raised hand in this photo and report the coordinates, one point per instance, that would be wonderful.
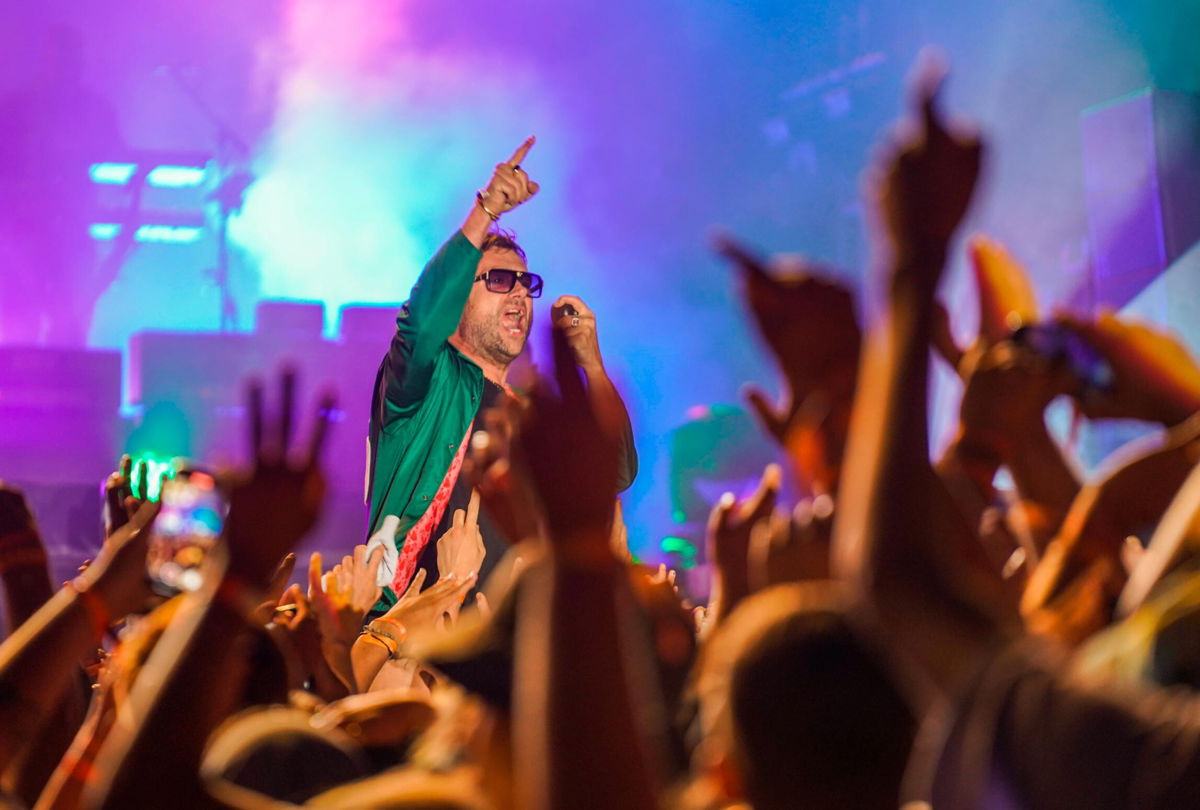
(344, 594)
(1106, 512)
(1006, 395)
(578, 324)
(1006, 296)
(363, 571)
(423, 611)
(460, 550)
(729, 529)
(503, 488)
(338, 619)
(569, 445)
(119, 500)
(807, 321)
(1155, 377)
(922, 189)
(274, 590)
(119, 572)
(301, 626)
(510, 184)
(279, 501)
(792, 548)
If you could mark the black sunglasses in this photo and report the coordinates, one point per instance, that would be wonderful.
(500, 280)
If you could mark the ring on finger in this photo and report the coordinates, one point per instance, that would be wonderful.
(517, 168)
(574, 322)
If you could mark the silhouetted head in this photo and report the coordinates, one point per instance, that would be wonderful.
(800, 711)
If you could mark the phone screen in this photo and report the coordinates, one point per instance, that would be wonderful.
(188, 525)
(1058, 344)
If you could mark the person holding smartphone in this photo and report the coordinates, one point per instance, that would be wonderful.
(466, 320)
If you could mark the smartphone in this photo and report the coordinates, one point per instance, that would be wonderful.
(1057, 343)
(187, 527)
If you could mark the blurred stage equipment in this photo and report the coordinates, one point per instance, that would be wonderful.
(232, 180)
(1141, 170)
(149, 195)
(198, 379)
(60, 409)
(1141, 166)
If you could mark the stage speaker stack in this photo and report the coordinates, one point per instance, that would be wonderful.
(60, 435)
(59, 414)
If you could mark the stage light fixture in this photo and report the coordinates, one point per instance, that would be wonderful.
(112, 174)
(677, 545)
(173, 234)
(176, 176)
(156, 468)
(103, 231)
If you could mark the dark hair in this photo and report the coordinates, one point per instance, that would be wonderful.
(812, 710)
(501, 239)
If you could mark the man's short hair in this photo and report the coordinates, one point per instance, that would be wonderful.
(501, 239)
(812, 713)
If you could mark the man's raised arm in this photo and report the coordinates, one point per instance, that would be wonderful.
(436, 303)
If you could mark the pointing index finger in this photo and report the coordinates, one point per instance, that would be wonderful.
(521, 152)
(473, 509)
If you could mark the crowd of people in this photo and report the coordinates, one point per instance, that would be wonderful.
(907, 634)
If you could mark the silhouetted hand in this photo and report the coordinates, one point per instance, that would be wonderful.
(275, 588)
(279, 501)
(124, 492)
(1006, 395)
(570, 453)
(119, 572)
(729, 528)
(331, 596)
(504, 489)
(1155, 377)
(792, 548)
(1105, 513)
(922, 186)
(808, 322)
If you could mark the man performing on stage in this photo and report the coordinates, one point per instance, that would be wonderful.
(467, 318)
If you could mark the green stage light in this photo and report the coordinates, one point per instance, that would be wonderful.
(677, 545)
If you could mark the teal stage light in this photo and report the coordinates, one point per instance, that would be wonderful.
(103, 231)
(176, 176)
(171, 234)
(112, 174)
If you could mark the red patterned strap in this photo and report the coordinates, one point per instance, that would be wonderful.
(418, 536)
